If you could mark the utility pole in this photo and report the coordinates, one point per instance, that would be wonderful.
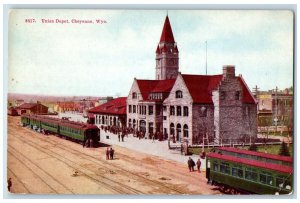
(206, 57)
(276, 119)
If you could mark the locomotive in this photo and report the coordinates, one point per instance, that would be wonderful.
(78, 131)
(243, 171)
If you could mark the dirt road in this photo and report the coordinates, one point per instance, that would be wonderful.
(40, 164)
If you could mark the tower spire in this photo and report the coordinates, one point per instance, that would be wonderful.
(167, 34)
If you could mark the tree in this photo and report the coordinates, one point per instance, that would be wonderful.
(284, 151)
(253, 147)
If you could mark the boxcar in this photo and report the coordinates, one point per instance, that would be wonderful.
(248, 175)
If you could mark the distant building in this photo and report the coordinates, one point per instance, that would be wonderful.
(12, 111)
(103, 100)
(66, 107)
(32, 108)
(275, 108)
(111, 113)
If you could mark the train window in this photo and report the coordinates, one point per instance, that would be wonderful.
(266, 178)
(251, 174)
(224, 168)
(216, 166)
(283, 182)
(237, 171)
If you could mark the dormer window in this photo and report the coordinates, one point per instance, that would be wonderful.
(178, 94)
(134, 95)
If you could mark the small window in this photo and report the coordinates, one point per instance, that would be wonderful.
(165, 118)
(134, 109)
(150, 110)
(130, 109)
(237, 95)
(178, 94)
(222, 95)
(224, 168)
(178, 110)
(185, 111)
(172, 110)
(266, 178)
(237, 171)
(134, 95)
(250, 174)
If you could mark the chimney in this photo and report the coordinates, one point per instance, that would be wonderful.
(228, 71)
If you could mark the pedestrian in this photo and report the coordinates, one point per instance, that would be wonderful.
(9, 184)
(191, 164)
(153, 138)
(119, 136)
(123, 135)
(199, 165)
(111, 153)
(181, 149)
(107, 153)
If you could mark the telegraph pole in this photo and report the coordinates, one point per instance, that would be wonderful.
(276, 119)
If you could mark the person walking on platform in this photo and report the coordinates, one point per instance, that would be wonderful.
(107, 153)
(191, 164)
(111, 153)
(199, 165)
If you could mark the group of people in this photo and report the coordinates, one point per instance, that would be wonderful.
(192, 164)
(110, 153)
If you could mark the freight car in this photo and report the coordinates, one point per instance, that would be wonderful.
(235, 173)
(78, 131)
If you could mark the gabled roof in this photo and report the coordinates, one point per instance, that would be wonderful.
(150, 86)
(167, 34)
(116, 106)
(201, 87)
(27, 106)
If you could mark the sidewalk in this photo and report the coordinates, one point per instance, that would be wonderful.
(147, 146)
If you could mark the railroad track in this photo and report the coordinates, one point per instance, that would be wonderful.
(164, 189)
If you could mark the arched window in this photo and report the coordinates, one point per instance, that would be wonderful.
(178, 94)
(178, 132)
(129, 123)
(185, 131)
(134, 123)
(103, 120)
(172, 130)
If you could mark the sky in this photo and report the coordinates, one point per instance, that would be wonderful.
(103, 59)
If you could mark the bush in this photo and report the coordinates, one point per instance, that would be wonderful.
(253, 147)
(284, 151)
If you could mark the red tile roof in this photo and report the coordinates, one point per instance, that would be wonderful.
(116, 106)
(247, 95)
(260, 154)
(148, 86)
(201, 87)
(167, 34)
(265, 165)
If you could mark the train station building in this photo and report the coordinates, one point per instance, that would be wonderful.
(191, 108)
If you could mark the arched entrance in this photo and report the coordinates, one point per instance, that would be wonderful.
(143, 126)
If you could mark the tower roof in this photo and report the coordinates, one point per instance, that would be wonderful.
(167, 34)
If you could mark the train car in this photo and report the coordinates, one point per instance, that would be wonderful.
(259, 156)
(80, 131)
(248, 175)
(77, 131)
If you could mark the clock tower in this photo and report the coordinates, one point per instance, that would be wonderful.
(167, 59)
